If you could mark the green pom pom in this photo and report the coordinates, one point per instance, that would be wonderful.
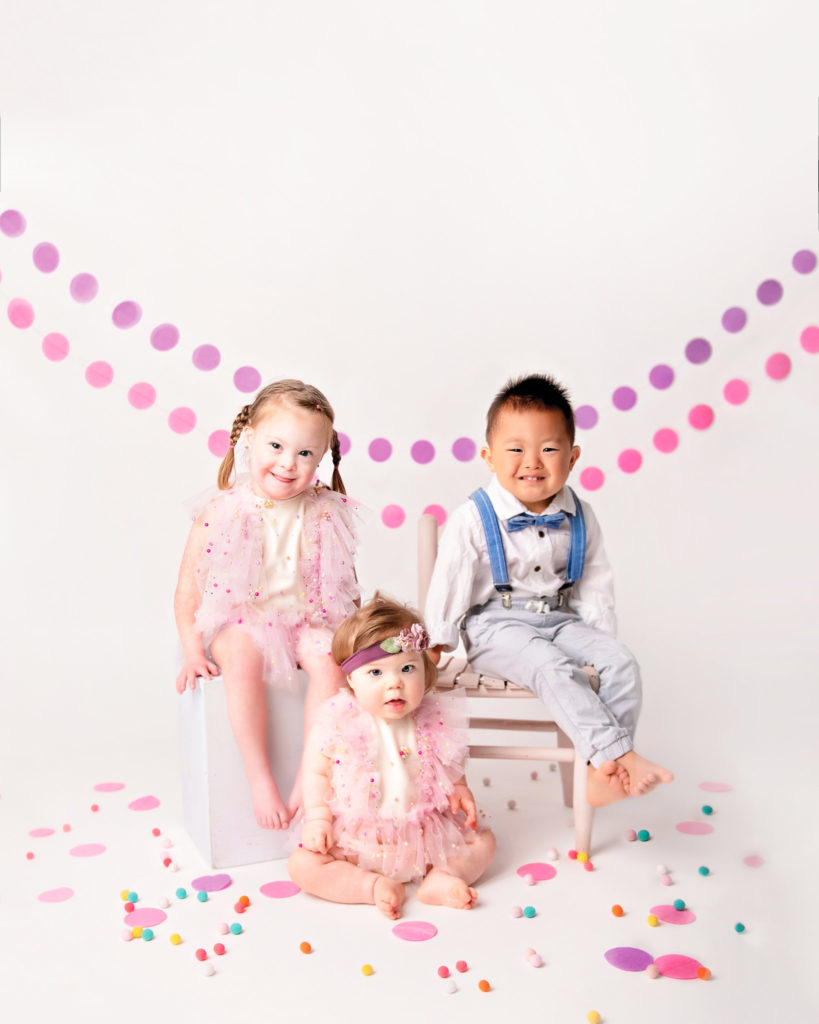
(390, 645)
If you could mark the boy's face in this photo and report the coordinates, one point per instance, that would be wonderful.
(531, 454)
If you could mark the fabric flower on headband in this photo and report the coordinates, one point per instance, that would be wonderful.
(413, 638)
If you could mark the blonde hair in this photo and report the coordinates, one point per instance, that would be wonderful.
(377, 620)
(284, 392)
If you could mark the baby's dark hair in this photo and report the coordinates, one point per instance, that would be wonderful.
(379, 619)
(537, 391)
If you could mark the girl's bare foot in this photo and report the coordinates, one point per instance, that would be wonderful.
(268, 806)
(444, 890)
(607, 783)
(388, 896)
(643, 775)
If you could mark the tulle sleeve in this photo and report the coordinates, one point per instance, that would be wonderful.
(328, 563)
(441, 730)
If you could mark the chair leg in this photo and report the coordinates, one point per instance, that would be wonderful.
(583, 811)
(566, 771)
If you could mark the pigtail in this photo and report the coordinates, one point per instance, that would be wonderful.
(228, 462)
(335, 452)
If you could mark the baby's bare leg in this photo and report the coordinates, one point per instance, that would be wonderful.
(242, 666)
(339, 881)
(643, 775)
(452, 886)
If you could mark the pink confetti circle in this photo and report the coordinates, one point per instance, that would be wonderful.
(247, 379)
(628, 958)
(716, 787)
(666, 440)
(12, 223)
(39, 833)
(769, 292)
(83, 288)
(592, 478)
(109, 787)
(585, 417)
(55, 347)
(624, 398)
(538, 870)
(415, 931)
(219, 442)
(46, 257)
(661, 376)
(438, 512)
(206, 357)
(143, 803)
(804, 261)
(464, 449)
(142, 395)
(753, 860)
(674, 965)
(701, 417)
(734, 319)
(809, 340)
(279, 890)
(629, 460)
(392, 516)
(344, 443)
(164, 337)
(379, 449)
(211, 883)
(87, 850)
(422, 452)
(145, 917)
(669, 915)
(56, 895)
(126, 314)
(182, 420)
(735, 391)
(21, 313)
(778, 366)
(99, 374)
(695, 828)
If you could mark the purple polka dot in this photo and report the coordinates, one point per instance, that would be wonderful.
(661, 376)
(666, 440)
(701, 417)
(46, 257)
(592, 478)
(142, 395)
(804, 261)
(735, 391)
(393, 516)
(734, 319)
(628, 958)
(99, 374)
(624, 398)
(778, 366)
(21, 313)
(83, 287)
(247, 379)
(769, 292)
(211, 883)
(182, 420)
(437, 511)
(423, 452)
(12, 223)
(629, 460)
(380, 449)
(698, 350)
(464, 449)
(218, 443)
(809, 340)
(126, 314)
(55, 347)
(343, 443)
(206, 357)
(164, 337)
(585, 417)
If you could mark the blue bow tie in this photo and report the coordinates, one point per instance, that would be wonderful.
(520, 522)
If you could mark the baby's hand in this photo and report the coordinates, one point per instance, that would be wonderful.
(317, 836)
(193, 667)
(461, 799)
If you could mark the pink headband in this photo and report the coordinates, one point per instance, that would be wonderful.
(414, 638)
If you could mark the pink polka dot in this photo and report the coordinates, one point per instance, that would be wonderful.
(695, 828)
(145, 917)
(142, 395)
(753, 860)
(279, 890)
(804, 261)
(164, 337)
(437, 511)
(666, 440)
(538, 870)
(100, 374)
(809, 340)
(669, 915)
(592, 478)
(393, 516)
(219, 442)
(55, 347)
(247, 379)
(624, 398)
(734, 319)
(701, 417)
(464, 449)
(423, 452)
(629, 460)
(84, 288)
(40, 833)
(769, 292)
(344, 443)
(778, 366)
(56, 895)
(12, 223)
(735, 391)
(677, 966)
(46, 257)
(109, 787)
(585, 417)
(415, 931)
(661, 377)
(716, 787)
(21, 313)
(143, 803)
(126, 314)
(379, 449)
(182, 420)
(87, 850)
(206, 357)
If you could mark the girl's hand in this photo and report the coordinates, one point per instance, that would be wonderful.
(317, 836)
(193, 667)
(461, 799)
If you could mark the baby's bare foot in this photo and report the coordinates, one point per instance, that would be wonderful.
(606, 783)
(445, 890)
(388, 896)
(268, 806)
(643, 775)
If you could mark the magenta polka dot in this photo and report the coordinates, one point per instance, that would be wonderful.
(100, 374)
(55, 347)
(778, 366)
(629, 460)
(677, 966)
(666, 440)
(698, 350)
(380, 449)
(279, 890)
(84, 287)
(437, 511)
(415, 931)
(144, 803)
(142, 395)
(21, 313)
(809, 340)
(695, 828)
(464, 449)
(145, 917)
(41, 833)
(59, 895)
(734, 319)
(182, 420)
(109, 787)
(164, 337)
(624, 398)
(701, 417)
(804, 261)
(247, 379)
(735, 391)
(126, 314)
(769, 292)
(393, 516)
(538, 870)
(661, 377)
(218, 443)
(753, 860)
(585, 417)
(46, 257)
(423, 452)
(206, 357)
(12, 223)
(87, 850)
(344, 444)
(716, 787)
(592, 478)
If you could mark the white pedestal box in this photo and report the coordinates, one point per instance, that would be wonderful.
(216, 796)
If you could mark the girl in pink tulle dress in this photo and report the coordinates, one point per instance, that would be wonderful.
(268, 573)
(385, 798)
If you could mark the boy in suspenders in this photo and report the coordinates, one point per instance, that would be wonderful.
(523, 579)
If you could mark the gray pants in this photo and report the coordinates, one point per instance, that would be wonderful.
(545, 653)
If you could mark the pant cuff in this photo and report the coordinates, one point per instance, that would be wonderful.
(612, 751)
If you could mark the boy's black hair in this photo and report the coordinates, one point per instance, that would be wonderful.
(537, 391)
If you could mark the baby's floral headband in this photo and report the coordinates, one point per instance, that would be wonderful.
(413, 638)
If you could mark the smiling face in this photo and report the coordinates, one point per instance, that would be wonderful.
(286, 445)
(531, 454)
(391, 687)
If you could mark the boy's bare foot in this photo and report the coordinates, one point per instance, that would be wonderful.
(643, 775)
(444, 890)
(388, 896)
(607, 783)
(268, 806)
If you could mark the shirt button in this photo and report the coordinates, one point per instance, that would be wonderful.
(540, 533)
(537, 568)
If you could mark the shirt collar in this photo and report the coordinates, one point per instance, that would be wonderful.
(507, 505)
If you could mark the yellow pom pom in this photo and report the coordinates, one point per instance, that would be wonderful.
(367, 969)
(124, 895)
(136, 931)
(582, 857)
(175, 939)
(653, 920)
(593, 1017)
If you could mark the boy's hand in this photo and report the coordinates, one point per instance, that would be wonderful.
(198, 665)
(461, 799)
(317, 836)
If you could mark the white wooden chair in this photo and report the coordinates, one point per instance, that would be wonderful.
(453, 671)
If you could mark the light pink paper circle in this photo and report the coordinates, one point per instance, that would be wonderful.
(83, 287)
(777, 366)
(143, 803)
(393, 516)
(211, 883)
(539, 871)
(142, 395)
(716, 787)
(438, 512)
(666, 440)
(56, 895)
(695, 828)
(674, 965)
(279, 890)
(669, 915)
(109, 787)
(99, 374)
(629, 460)
(415, 931)
(809, 340)
(55, 347)
(87, 850)
(182, 420)
(218, 443)
(735, 391)
(12, 223)
(38, 833)
(592, 478)
(753, 860)
(21, 313)
(145, 917)
(701, 417)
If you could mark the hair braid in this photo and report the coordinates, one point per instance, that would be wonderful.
(228, 462)
(335, 452)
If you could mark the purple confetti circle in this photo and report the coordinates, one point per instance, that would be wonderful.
(211, 883)
(804, 261)
(585, 417)
(46, 257)
(698, 350)
(206, 357)
(628, 958)
(769, 292)
(734, 319)
(12, 223)
(247, 379)
(164, 337)
(126, 314)
(624, 398)
(83, 287)
(379, 449)
(344, 443)
(464, 449)
(661, 376)
(422, 452)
